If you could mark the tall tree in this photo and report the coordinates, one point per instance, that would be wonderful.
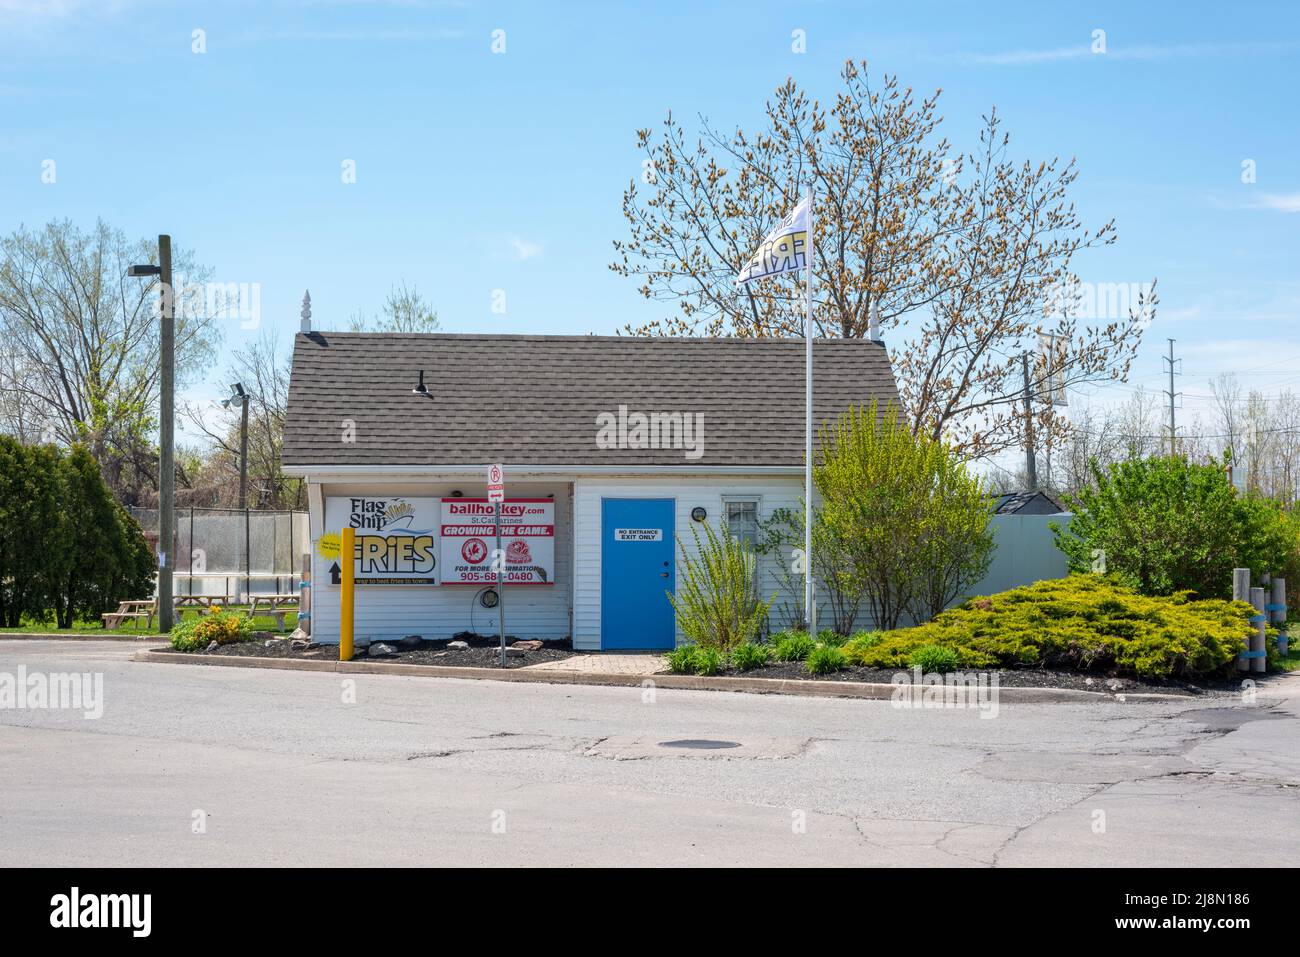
(104, 557)
(405, 310)
(263, 370)
(963, 253)
(80, 356)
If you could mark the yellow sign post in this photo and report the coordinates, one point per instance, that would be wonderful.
(347, 574)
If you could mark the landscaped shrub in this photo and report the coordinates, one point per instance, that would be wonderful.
(859, 643)
(223, 627)
(824, 659)
(828, 636)
(681, 660)
(749, 656)
(1083, 622)
(932, 658)
(1168, 525)
(716, 599)
(708, 661)
(911, 517)
(792, 646)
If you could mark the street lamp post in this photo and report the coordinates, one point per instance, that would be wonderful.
(166, 426)
(238, 395)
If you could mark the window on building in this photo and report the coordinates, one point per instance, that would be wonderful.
(742, 519)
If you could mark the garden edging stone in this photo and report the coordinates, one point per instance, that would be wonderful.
(840, 689)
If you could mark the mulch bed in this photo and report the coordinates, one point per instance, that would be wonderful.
(483, 652)
(1014, 678)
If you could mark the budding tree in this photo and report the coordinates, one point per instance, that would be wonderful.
(958, 252)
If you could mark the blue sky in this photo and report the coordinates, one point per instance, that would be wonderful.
(478, 172)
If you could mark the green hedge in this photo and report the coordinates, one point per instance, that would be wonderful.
(68, 551)
(1083, 622)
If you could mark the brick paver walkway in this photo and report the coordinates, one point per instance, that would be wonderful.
(607, 663)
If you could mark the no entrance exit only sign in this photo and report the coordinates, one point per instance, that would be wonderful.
(496, 484)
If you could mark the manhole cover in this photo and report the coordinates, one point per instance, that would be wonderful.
(699, 744)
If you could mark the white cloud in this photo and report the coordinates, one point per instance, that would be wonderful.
(360, 35)
(34, 13)
(1120, 52)
(1027, 56)
(525, 249)
(1282, 202)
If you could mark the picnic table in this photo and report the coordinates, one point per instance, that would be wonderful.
(201, 602)
(275, 605)
(132, 611)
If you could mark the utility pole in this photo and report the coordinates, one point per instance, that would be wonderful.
(1031, 467)
(166, 449)
(166, 425)
(1173, 432)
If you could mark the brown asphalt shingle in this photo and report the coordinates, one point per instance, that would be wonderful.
(534, 400)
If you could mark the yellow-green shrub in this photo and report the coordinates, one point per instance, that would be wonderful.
(1081, 622)
(223, 627)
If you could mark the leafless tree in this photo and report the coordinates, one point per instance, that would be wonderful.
(263, 370)
(80, 351)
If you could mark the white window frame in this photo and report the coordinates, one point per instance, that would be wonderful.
(739, 498)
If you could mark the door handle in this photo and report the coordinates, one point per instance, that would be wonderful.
(663, 574)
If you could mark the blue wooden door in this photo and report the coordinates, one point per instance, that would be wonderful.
(637, 569)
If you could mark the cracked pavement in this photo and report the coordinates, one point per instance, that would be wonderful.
(423, 771)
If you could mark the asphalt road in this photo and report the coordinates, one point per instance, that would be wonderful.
(279, 769)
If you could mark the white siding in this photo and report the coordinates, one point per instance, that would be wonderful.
(572, 605)
(441, 611)
(689, 491)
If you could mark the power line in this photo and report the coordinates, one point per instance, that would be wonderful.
(1163, 435)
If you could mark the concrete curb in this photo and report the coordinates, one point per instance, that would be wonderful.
(78, 636)
(786, 686)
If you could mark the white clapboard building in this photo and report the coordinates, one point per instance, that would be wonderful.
(612, 448)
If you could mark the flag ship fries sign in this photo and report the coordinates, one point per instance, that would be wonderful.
(394, 537)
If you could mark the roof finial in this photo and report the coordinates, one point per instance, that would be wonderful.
(306, 311)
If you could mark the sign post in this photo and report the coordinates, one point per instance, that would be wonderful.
(348, 559)
(496, 489)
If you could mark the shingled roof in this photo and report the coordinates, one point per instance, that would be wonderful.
(534, 400)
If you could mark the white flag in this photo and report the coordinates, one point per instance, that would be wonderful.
(783, 250)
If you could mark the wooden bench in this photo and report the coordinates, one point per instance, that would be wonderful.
(274, 606)
(129, 610)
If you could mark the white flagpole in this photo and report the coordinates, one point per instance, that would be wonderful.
(809, 603)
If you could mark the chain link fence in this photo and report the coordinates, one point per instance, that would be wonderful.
(230, 553)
